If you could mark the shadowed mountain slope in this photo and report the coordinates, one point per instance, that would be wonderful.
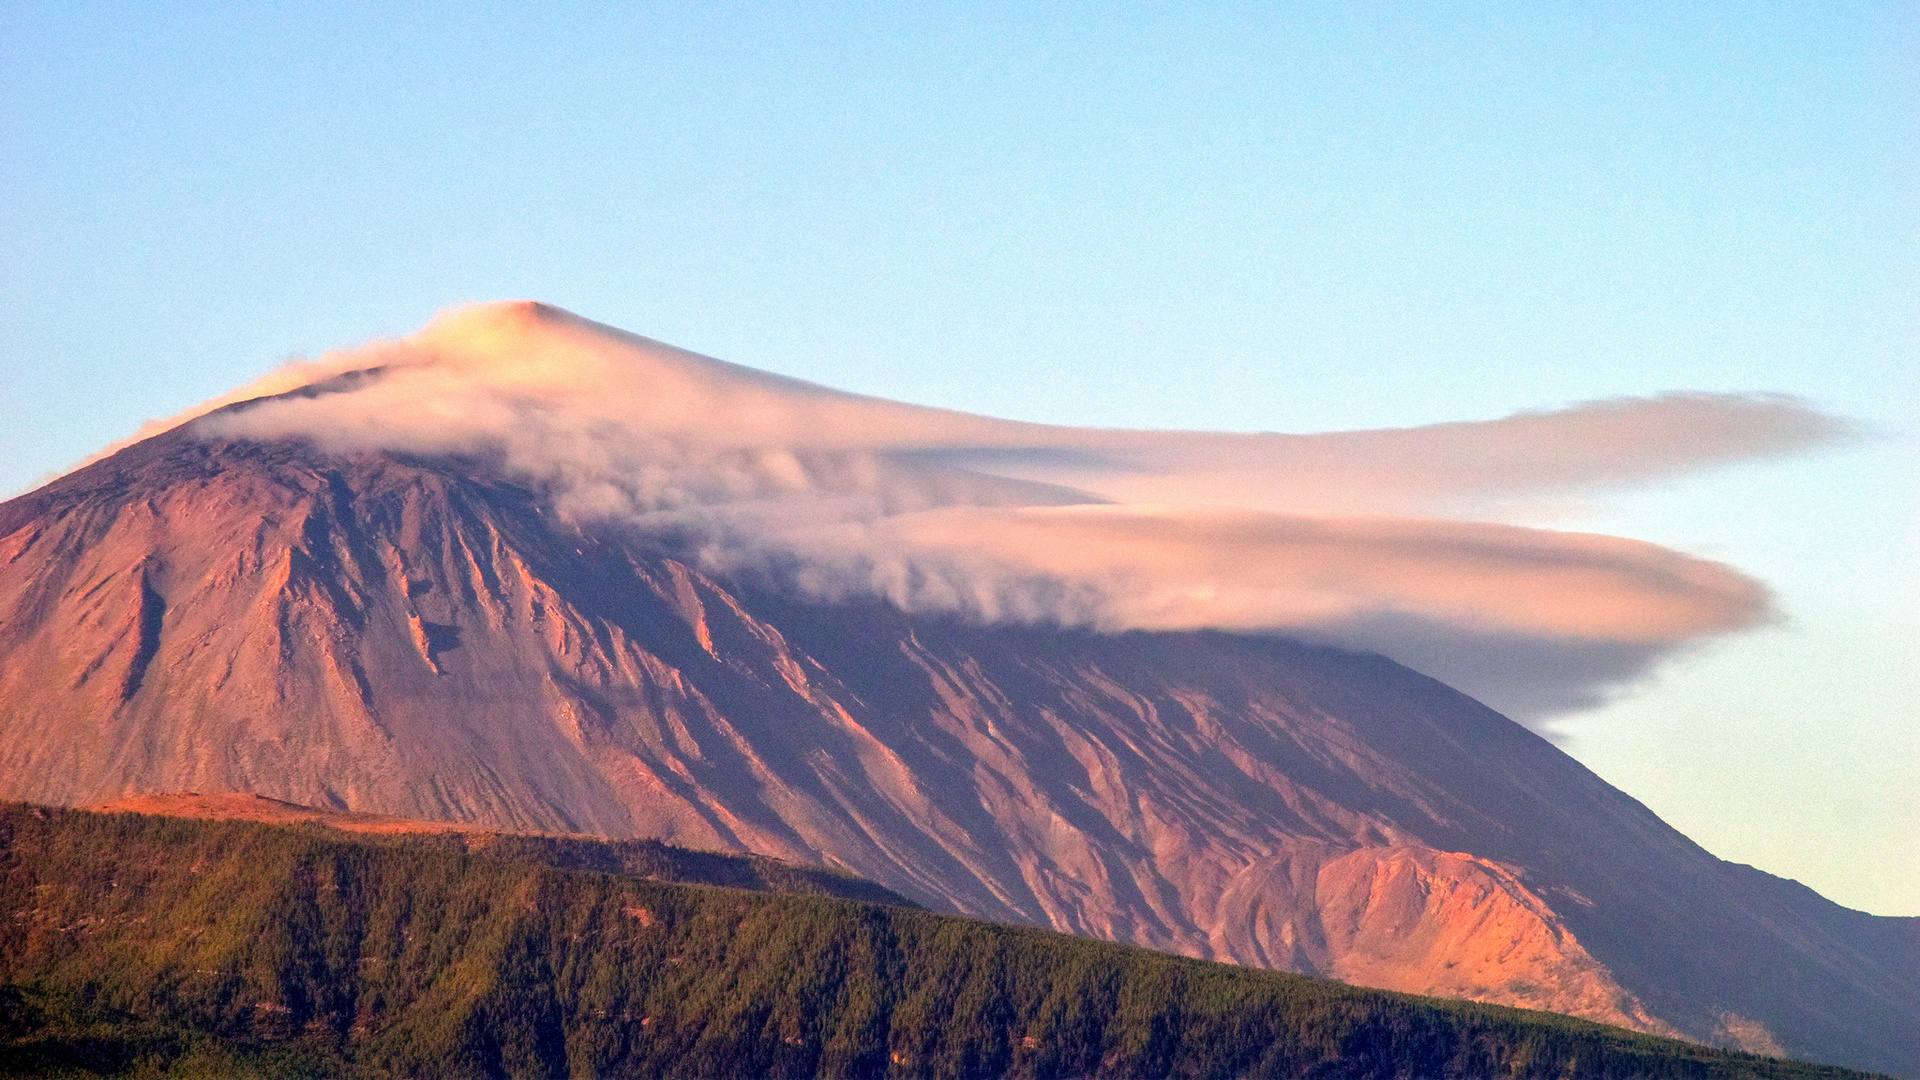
(418, 638)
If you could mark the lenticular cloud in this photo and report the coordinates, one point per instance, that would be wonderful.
(1387, 540)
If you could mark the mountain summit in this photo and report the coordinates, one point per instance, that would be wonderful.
(1395, 540)
(477, 599)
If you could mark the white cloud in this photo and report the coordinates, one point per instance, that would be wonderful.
(1354, 537)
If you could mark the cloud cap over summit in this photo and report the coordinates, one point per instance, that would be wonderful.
(1361, 538)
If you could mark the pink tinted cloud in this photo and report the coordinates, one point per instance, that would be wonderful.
(1352, 536)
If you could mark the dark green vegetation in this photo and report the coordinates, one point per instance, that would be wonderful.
(146, 946)
(655, 861)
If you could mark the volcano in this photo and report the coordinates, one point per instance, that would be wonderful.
(426, 632)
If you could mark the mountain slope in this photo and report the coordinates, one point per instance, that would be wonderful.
(421, 638)
(237, 948)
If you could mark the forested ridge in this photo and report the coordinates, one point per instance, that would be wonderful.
(147, 946)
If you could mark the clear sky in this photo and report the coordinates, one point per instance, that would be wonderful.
(1248, 217)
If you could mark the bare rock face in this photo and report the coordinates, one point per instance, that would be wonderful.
(416, 639)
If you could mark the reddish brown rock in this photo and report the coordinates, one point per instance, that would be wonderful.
(418, 640)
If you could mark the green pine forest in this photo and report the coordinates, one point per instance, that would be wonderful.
(143, 946)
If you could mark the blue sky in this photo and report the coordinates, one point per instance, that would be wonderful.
(1259, 217)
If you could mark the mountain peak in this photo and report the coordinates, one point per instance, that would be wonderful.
(405, 635)
(1357, 538)
(528, 346)
(520, 313)
(506, 326)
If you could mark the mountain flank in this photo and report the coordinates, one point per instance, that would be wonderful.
(426, 637)
(133, 944)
